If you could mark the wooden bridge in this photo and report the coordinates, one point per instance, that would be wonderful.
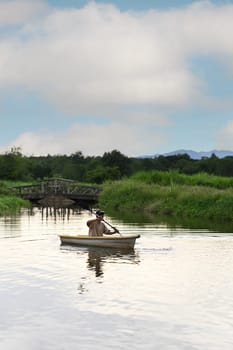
(57, 190)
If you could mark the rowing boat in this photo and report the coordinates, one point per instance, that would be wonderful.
(126, 241)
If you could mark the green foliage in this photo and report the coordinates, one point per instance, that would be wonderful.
(117, 160)
(10, 204)
(4, 189)
(174, 185)
(171, 178)
(100, 174)
(179, 200)
(111, 166)
(10, 184)
(125, 194)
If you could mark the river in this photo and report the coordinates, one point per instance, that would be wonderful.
(173, 292)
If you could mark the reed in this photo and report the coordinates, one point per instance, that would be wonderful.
(173, 199)
(170, 178)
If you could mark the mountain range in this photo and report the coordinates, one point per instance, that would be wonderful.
(196, 155)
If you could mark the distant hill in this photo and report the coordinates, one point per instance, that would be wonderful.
(195, 155)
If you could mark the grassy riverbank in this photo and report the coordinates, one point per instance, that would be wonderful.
(173, 194)
(8, 202)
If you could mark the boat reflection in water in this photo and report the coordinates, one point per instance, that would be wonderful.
(97, 257)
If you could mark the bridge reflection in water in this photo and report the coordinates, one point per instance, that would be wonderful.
(61, 213)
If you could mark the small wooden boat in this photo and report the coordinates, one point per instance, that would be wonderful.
(126, 241)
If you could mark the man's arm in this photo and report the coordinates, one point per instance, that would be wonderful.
(91, 222)
(108, 232)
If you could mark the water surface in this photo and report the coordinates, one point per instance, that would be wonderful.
(174, 291)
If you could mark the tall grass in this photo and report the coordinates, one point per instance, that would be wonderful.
(8, 202)
(178, 200)
(170, 178)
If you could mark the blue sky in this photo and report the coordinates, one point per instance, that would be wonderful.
(143, 77)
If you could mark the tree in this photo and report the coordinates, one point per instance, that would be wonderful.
(100, 174)
(118, 160)
(13, 166)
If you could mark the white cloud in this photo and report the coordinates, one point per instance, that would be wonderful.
(98, 57)
(103, 62)
(16, 12)
(225, 137)
(146, 119)
(90, 139)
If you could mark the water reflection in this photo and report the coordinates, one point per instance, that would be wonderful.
(95, 262)
(98, 256)
(62, 214)
(53, 212)
(143, 219)
(9, 225)
(104, 296)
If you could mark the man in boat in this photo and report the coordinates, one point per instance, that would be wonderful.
(97, 226)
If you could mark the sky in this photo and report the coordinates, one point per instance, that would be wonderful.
(139, 76)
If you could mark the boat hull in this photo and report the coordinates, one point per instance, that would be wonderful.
(105, 241)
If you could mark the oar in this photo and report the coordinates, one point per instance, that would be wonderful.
(114, 228)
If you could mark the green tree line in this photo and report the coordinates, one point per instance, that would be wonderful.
(110, 166)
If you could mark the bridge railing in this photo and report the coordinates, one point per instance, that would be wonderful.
(58, 187)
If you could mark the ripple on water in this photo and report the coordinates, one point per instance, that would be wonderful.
(174, 291)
